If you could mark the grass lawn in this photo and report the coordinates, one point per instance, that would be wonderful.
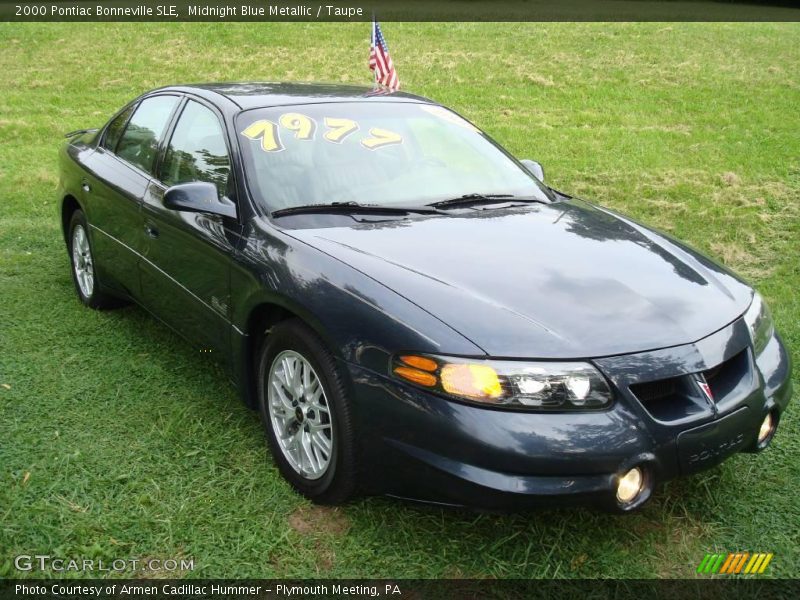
(118, 441)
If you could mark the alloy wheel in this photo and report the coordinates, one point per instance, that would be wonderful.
(300, 414)
(82, 261)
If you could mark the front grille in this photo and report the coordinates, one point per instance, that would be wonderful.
(725, 377)
(656, 392)
(678, 398)
(669, 399)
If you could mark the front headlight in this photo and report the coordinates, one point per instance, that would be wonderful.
(759, 320)
(506, 383)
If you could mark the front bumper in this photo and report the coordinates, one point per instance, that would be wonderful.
(421, 446)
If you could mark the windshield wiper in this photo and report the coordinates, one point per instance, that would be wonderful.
(471, 199)
(354, 207)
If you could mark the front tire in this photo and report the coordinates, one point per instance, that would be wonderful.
(81, 258)
(306, 414)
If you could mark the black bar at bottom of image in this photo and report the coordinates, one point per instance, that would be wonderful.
(416, 589)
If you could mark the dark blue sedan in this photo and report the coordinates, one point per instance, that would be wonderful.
(412, 310)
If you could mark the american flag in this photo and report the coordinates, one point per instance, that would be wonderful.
(380, 62)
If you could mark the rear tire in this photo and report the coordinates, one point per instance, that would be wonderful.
(82, 262)
(306, 414)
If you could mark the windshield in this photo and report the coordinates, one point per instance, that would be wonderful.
(372, 153)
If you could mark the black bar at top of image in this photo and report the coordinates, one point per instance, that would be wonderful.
(400, 10)
(750, 588)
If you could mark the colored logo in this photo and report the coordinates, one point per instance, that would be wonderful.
(735, 563)
(703, 385)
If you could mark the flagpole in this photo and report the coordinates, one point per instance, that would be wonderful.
(374, 41)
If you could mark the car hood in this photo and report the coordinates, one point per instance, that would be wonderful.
(563, 280)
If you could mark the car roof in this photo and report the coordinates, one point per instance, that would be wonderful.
(247, 95)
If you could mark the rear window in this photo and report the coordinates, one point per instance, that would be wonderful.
(115, 128)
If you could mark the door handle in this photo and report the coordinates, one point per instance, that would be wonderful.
(150, 230)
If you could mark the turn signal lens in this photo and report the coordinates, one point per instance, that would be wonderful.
(420, 362)
(416, 376)
(479, 382)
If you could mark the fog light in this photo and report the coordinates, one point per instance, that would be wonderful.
(767, 429)
(630, 485)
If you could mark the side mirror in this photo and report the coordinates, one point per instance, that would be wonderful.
(199, 197)
(534, 168)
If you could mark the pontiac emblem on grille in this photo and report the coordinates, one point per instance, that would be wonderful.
(703, 385)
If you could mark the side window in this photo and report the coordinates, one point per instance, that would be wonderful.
(139, 144)
(114, 129)
(197, 150)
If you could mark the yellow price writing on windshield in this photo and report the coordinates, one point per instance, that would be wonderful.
(267, 132)
(305, 128)
(339, 129)
(381, 138)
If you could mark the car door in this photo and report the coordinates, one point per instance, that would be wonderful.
(115, 182)
(185, 271)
